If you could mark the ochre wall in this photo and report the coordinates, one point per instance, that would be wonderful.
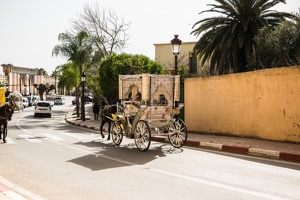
(260, 104)
(163, 54)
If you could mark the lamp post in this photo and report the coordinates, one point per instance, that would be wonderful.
(176, 45)
(55, 74)
(82, 97)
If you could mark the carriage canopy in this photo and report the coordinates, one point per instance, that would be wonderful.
(152, 88)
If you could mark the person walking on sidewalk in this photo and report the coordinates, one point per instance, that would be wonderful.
(96, 111)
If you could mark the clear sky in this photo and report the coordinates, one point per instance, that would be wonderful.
(29, 28)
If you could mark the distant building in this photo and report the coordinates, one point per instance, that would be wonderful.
(186, 58)
(22, 79)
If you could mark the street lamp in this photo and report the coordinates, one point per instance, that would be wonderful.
(55, 82)
(176, 45)
(82, 97)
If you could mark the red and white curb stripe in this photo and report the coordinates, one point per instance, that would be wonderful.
(239, 149)
(19, 191)
(11, 194)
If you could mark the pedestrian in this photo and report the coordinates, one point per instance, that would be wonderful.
(104, 102)
(96, 111)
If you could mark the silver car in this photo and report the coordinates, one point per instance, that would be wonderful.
(59, 101)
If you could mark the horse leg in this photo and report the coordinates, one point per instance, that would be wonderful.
(109, 123)
(4, 133)
(101, 126)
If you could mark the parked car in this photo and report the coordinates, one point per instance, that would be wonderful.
(42, 108)
(25, 102)
(59, 101)
(87, 99)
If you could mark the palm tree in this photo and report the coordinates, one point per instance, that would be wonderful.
(55, 75)
(78, 49)
(227, 41)
(3, 84)
(69, 78)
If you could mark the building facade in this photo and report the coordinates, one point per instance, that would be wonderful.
(186, 58)
(22, 79)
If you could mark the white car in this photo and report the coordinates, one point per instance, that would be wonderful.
(42, 108)
(59, 101)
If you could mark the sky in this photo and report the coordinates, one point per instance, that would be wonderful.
(29, 29)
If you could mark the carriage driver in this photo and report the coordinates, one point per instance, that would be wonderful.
(138, 97)
(138, 100)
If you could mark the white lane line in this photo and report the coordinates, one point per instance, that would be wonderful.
(13, 195)
(18, 125)
(19, 189)
(77, 136)
(30, 138)
(53, 137)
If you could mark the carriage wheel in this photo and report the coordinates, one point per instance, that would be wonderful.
(177, 133)
(117, 133)
(142, 135)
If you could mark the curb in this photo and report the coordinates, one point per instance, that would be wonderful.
(238, 150)
(221, 147)
(9, 194)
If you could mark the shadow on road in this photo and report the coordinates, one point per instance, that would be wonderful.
(109, 156)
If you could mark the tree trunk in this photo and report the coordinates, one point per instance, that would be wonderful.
(77, 101)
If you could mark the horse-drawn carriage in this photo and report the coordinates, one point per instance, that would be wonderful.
(155, 111)
(16, 99)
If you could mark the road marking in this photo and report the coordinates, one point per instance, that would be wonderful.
(30, 138)
(18, 189)
(185, 177)
(77, 136)
(53, 137)
(176, 175)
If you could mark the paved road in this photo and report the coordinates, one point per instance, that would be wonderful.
(49, 159)
(248, 146)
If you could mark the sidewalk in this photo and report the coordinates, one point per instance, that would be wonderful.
(239, 145)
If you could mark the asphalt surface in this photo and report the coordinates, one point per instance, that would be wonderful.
(240, 145)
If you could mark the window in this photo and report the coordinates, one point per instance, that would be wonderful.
(193, 63)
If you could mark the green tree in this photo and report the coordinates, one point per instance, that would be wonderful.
(55, 74)
(3, 84)
(115, 65)
(78, 49)
(278, 47)
(92, 76)
(227, 41)
(68, 76)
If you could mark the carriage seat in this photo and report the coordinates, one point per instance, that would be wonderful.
(131, 109)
